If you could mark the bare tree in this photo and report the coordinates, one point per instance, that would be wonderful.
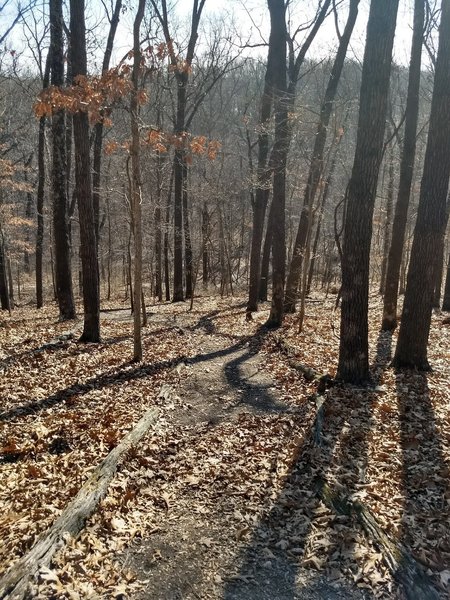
(136, 187)
(63, 271)
(353, 350)
(83, 183)
(406, 173)
(411, 350)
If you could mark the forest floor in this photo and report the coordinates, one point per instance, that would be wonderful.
(219, 500)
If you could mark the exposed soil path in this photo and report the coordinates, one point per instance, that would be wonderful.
(208, 548)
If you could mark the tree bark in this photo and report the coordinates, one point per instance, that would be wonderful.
(4, 294)
(389, 321)
(187, 234)
(63, 270)
(158, 229)
(411, 350)
(278, 36)
(136, 184)
(83, 183)
(205, 230)
(40, 194)
(353, 364)
(261, 194)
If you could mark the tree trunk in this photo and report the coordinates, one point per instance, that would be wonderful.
(158, 229)
(388, 219)
(63, 270)
(205, 230)
(28, 215)
(411, 350)
(353, 351)
(83, 183)
(278, 36)
(316, 166)
(166, 239)
(389, 321)
(40, 194)
(187, 234)
(446, 300)
(262, 186)
(4, 294)
(439, 274)
(136, 184)
(265, 262)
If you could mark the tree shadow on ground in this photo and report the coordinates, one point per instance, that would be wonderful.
(426, 510)
(116, 376)
(291, 533)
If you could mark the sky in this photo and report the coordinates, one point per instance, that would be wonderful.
(249, 19)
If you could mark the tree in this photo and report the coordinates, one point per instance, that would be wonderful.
(181, 68)
(136, 184)
(265, 164)
(83, 183)
(40, 194)
(278, 35)
(389, 321)
(353, 364)
(411, 350)
(63, 271)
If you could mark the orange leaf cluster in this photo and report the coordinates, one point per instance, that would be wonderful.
(94, 95)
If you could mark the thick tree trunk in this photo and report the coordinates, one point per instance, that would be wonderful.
(439, 271)
(158, 229)
(28, 215)
(316, 166)
(205, 231)
(40, 194)
(40, 213)
(262, 187)
(4, 294)
(63, 270)
(178, 294)
(187, 234)
(83, 182)
(278, 36)
(166, 241)
(389, 321)
(411, 350)
(446, 300)
(353, 351)
(136, 185)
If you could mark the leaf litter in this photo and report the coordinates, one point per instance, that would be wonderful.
(220, 483)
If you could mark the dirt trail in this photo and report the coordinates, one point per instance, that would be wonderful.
(208, 547)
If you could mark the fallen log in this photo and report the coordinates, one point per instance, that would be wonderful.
(324, 380)
(15, 584)
(401, 564)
